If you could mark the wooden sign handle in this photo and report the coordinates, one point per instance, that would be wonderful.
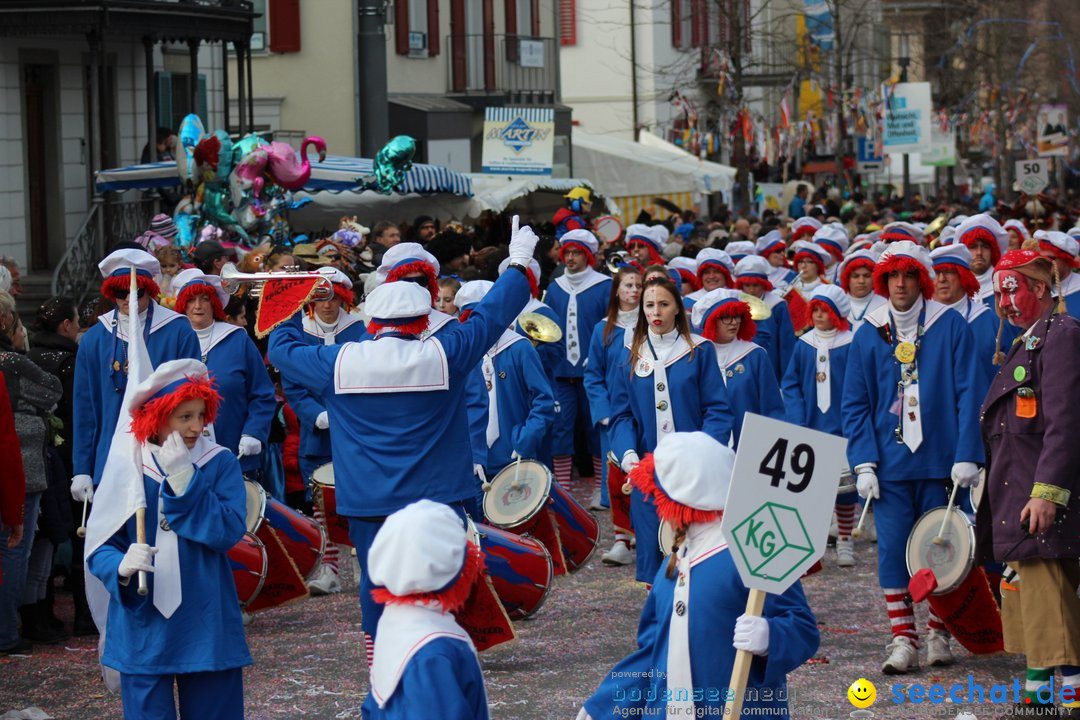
(140, 537)
(740, 671)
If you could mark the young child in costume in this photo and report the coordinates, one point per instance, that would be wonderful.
(187, 630)
(425, 664)
(699, 595)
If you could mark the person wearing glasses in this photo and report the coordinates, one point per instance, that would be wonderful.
(101, 363)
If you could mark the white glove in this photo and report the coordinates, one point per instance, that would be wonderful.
(522, 243)
(629, 461)
(478, 471)
(322, 422)
(965, 474)
(248, 446)
(82, 488)
(135, 559)
(752, 634)
(604, 422)
(867, 483)
(175, 460)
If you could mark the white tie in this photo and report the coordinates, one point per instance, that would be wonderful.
(573, 349)
(823, 379)
(167, 592)
(680, 681)
(911, 414)
(493, 401)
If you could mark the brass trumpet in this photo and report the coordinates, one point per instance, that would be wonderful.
(232, 280)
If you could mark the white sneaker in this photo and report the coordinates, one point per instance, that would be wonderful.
(619, 554)
(938, 653)
(903, 657)
(845, 553)
(324, 581)
(595, 503)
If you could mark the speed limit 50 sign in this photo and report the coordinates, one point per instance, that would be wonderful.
(783, 490)
(1032, 176)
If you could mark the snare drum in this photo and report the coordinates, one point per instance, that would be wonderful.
(255, 505)
(517, 500)
(301, 536)
(322, 482)
(579, 532)
(666, 537)
(248, 562)
(519, 566)
(953, 559)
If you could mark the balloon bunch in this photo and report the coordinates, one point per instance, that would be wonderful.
(391, 164)
(243, 188)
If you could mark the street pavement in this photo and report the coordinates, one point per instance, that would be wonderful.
(309, 661)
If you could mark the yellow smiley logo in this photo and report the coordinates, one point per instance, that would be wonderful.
(862, 693)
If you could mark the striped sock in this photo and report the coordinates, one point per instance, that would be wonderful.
(1070, 678)
(330, 554)
(1039, 678)
(563, 465)
(845, 521)
(901, 614)
(936, 623)
(623, 537)
(369, 649)
(597, 472)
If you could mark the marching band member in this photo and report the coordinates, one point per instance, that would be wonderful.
(397, 401)
(1062, 250)
(715, 269)
(667, 380)
(812, 387)
(774, 333)
(646, 243)
(550, 352)
(1029, 515)
(605, 350)
(101, 363)
(803, 227)
(423, 658)
(326, 323)
(693, 620)
(1018, 233)
(857, 280)
(910, 412)
(955, 286)
(745, 367)
(579, 299)
(240, 376)
(772, 247)
(987, 241)
(810, 260)
(687, 268)
(834, 238)
(738, 250)
(901, 231)
(520, 405)
(411, 262)
(187, 631)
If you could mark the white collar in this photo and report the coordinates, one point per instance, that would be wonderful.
(314, 326)
(391, 364)
(839, 339)
(626, 318)
(436, 320)
(879, 316)
(986, 284)
(508, 338)
(211, 336)
(679, 348)
(162, 315)
(204, 451)
(733, 351)
(581, 281)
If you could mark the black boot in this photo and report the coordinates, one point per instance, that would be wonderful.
(84, 621)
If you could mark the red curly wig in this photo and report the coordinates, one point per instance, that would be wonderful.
(197, 288)
(415, 327)
(452, 598)
(590, 259)
(417, 266)
(838, 322)
(713, 265)
(747, 329)
(655, 258)
(1057, 253)
(146, 421)
(813, 257)
(845, 276)
(114, 283)
(900, 263)
(643, 477)
(741, 281)
(689, 278)
(968, 281)
(976, 234)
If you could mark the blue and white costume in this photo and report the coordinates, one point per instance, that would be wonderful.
(775, 333)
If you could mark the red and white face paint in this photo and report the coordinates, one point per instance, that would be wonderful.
(1020, 304)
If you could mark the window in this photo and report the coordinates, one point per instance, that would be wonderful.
(258, 37)
(416, 31)
(173, 96)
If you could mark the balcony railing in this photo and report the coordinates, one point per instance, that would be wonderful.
(513, 64)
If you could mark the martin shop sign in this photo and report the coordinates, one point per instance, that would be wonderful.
(518, 141)
(907, 118)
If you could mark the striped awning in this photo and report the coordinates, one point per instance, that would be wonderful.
(631, 205)
(335, 174)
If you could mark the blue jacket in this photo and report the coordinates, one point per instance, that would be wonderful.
(800, 384)
(776, 334)
(751, 385)
(591, 307)
(600, 369)
(442, 679)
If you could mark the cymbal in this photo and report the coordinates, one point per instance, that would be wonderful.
(758, 309)
(539, 327)
(936, 225)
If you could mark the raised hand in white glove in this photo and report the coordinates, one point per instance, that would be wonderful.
(522, 243)
(629, 461)
(136, 558)
(752, 634)
(175, 460)
(82, 488)
(965, 474)
(322, 421)
(248, 446)
(478, 471)
(866, 483)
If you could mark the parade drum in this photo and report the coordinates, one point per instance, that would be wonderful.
(518, 499)
(301, 536)
(607, 228)
(666, 537)
(945, 575)
(519, 567)
(579, 532)
(978, 490)
(255, 505)
(847, 482)
(322, 481)
(247, 560)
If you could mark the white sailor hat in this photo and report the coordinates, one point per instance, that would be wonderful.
(771, 242)
(120, 262)
(687, 476)
(1018, 226)
(399, 257)
(397, 303)
(582, 238)
(804, 226)
(654, 235)
(833, 237)
(419, 549)
(715, 258)
(739, 249)
(834, 297)
(954, 254)
(684, 263)
(804, 247)
(753, 267)
(1059, 243)
(472, 292)
(191, 277)
(901, 231)
(336, 277)
(986, 228)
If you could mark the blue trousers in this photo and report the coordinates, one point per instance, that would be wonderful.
(571, 399)
(362, 533)
(13, 564)
(901, 504)
(647, 531)
(217, 695)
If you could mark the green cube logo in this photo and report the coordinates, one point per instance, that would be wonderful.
(773, 541)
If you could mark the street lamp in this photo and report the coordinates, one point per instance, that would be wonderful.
(903, 61)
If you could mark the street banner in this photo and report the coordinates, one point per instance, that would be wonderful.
(1053, 124)
(907, 123)
(518, 141)
(942, 151)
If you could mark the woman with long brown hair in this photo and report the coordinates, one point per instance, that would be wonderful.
(604, 352)
(668, 380)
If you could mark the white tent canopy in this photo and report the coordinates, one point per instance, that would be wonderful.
(622, 168)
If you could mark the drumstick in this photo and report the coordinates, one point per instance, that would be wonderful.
(857, 532)
(517, 464)
(140, 537)
(939, 539)
(81, 532)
